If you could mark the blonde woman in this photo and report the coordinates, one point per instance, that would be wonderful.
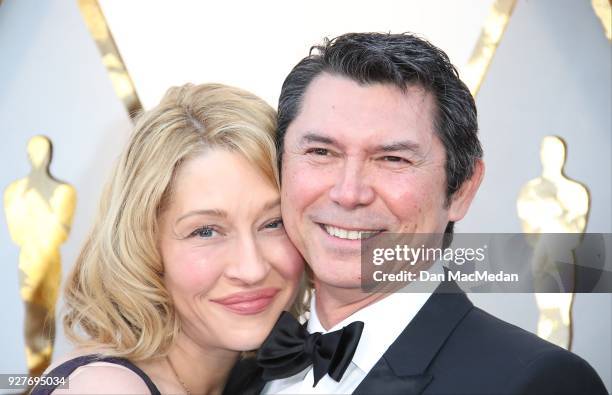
(188, 263)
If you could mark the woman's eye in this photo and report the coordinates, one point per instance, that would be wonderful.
(277, 224)
(204, 232)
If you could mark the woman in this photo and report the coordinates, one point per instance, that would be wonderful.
(188, 264)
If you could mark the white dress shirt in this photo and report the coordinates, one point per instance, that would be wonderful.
(383, 321)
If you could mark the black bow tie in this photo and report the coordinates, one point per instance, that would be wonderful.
(289, 349)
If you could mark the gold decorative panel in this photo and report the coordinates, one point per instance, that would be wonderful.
(603, 10)
(490, 36)
(120, 78)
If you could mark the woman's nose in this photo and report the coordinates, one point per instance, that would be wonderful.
(247, 263)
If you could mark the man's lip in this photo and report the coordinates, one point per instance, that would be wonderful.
(247, 296)
(350, 228)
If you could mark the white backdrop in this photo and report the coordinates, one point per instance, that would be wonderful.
(254, 44)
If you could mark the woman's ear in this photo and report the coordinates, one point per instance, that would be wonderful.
(462, 198)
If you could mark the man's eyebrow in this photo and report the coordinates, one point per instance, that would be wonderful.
(406, 145)
(212, 213)
(312, 137)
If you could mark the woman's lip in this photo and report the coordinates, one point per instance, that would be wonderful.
(249, 302)
(247, 296)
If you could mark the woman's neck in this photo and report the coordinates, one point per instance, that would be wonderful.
(196, 368)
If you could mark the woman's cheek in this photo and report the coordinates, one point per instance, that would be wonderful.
(195, 271)
(286, 259)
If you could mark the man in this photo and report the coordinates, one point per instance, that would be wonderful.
(377, 134)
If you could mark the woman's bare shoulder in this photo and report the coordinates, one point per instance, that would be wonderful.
(103, 378)
(99, 377)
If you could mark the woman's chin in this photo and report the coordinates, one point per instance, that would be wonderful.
(247, 340)
(243, 345)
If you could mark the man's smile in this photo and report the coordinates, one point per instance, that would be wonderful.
(350, 234)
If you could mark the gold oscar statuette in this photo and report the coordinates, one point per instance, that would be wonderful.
(39, 211)
(553, 203)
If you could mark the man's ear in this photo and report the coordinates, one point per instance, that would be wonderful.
(462, 198)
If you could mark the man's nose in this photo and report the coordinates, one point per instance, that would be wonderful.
(247, 263)
(352, 188)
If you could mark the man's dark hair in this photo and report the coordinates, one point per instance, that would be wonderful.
(402, 60)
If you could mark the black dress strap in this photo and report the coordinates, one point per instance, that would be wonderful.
(67, 368)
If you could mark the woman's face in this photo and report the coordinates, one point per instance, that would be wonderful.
(228, 263)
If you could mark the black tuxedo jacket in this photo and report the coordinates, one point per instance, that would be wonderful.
(452, 347)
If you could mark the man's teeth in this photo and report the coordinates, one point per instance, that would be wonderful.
(350, 234)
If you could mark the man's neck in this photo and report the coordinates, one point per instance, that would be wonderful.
(335, 304)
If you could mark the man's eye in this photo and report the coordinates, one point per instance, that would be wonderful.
(318, 151)
(395, 159)
(204, 232)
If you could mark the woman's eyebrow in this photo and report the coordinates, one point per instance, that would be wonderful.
(210, 212)
(271, 204)
(222, 213)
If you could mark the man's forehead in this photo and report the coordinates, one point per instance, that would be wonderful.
(327, 81)
(336, 108)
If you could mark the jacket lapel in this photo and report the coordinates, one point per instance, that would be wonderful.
(383, 380)
(403, 367)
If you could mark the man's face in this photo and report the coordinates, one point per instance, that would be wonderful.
(360, 158)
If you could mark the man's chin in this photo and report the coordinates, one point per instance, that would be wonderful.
(338, 282)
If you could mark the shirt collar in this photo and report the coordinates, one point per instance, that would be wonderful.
(384, 320)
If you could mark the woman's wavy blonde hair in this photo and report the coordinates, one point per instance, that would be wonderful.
(115, 298)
